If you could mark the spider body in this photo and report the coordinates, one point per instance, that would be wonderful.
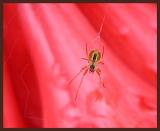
(94, 57)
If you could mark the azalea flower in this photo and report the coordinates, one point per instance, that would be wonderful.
(42, 49)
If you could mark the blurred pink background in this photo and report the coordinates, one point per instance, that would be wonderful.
(42, 49)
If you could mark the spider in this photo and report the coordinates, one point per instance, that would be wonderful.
(94, 58)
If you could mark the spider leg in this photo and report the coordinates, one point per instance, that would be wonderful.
(85, 59)
(101, 62)
(77, 74)
(86, 50)
(98, 37)
(81, 83)
(101, 26)
(98, 71)
(103, 52)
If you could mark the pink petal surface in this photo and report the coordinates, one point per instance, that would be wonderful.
(42, 49)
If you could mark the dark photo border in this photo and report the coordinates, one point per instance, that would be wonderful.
(78, 1)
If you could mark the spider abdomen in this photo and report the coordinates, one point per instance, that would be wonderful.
(94, 56)
(92, 68)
